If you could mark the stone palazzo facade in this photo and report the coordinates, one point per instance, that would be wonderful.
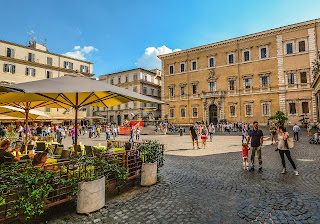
(145, 82)
(19, 63)
(244, 79)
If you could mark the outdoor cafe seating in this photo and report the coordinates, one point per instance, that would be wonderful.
(128, 155)
(57, 152)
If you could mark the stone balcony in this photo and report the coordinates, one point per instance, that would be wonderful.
(213, 94)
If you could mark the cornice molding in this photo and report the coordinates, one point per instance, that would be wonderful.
(262, 45)
(265, 101)
(259, 35)
(247, 76)
(35, 64)
(231, 78)
(264, 73)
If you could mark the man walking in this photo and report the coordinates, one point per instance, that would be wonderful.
(273, 132)
(194, 136)
(296, 130)
(256, 137)
(59, 134)
(94, 131)
(211, 131)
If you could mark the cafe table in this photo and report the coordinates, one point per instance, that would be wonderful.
(71, 147)
(118, 150)
(99, 147)
(47, 143)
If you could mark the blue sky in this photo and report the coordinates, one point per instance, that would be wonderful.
(121, 35)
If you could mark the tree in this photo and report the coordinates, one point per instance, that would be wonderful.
(278, 118)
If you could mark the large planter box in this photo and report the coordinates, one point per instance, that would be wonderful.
(148, 174)
(91, 196)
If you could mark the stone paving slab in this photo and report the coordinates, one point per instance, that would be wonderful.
(213, 188)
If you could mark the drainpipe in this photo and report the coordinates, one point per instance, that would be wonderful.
(59, 67)
(188, 87)
(315, 29)
(239, 77)
(317, 57)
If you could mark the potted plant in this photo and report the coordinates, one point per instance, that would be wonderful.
(151, 154)
(304, 120)
(94, 171)
(91, 190)
(279, 118)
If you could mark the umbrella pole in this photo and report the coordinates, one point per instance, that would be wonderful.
(26, 137)
(76, 126)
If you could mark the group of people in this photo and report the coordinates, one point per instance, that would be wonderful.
(111, 130)
(199, 130)
(164, 127)
(231, 126)
(38, 160)
(255, 140)
(252, 141)
(135, 133)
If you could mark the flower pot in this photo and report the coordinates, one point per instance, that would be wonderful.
(91, 195)
(304, 125)
(148, 174)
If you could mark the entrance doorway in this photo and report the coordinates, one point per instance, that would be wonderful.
(213, 114)
(119, 119)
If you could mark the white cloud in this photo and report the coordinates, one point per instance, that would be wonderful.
(79, 53)
(88, 49)
(149, 59)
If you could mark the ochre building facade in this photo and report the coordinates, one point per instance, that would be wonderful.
(244, 79)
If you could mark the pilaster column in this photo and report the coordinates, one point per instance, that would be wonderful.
(205, 109)
(163, 77)
(312, 49)
(282, 96)
(221, 108)
(314, 107)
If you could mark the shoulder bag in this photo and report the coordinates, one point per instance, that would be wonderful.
(290, 143)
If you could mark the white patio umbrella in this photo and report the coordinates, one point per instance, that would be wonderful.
(20, 113)
(70, 91)
(5, 88)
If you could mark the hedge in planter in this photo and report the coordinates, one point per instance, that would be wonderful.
(151, 152)
(27, 187)
(94, 171)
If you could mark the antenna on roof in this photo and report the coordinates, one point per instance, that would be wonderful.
(32, 38)
(44, 42)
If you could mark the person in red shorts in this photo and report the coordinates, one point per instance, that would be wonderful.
(245, 155)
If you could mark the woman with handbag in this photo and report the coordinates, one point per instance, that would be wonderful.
(283, 146)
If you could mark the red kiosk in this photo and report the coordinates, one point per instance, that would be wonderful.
(126, 129)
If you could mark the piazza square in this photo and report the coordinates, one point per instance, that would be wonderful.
(160, 112)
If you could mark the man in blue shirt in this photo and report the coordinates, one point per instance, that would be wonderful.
(94, 131)
(256, 137)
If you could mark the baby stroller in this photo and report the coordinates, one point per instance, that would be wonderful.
(315, 139)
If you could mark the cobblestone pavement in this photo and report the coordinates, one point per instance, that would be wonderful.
(215, 189)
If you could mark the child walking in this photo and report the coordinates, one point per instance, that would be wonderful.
(245, 155)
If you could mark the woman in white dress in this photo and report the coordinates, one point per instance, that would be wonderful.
(284, 150)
